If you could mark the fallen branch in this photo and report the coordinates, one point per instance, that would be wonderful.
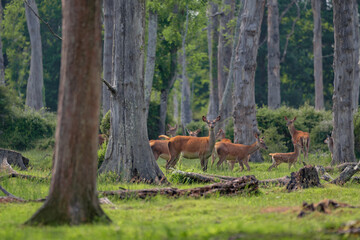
(111, 88)
(346, 175)
(199, 177)
(17, 175)
(324, 206)
(283, 181)
(9, 194)
(243, 184)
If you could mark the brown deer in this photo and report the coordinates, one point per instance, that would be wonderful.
(238, 152)
(330, 142)
(193, 133)
(193, 147)
(160, 149)
(171, 132)
(299, 137)
(290, 158)
(219, 136)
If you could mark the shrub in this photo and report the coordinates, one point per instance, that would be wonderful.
(101, 153)
(105, 124)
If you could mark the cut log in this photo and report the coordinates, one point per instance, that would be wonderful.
(306, 177)
(283, 181)
(346, 175)
(14, 158)
(245, 184)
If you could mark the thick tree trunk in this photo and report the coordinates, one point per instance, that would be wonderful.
(150, 58)
(212, 36)
(186, 113)
(357, 70)
(128, 153)
(273, 43)
(245, 124)
(34, 89)
(108, 50)
(73, 197)
(2, 67)
(318, 66)
(344, 77)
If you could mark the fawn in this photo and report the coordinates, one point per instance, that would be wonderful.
(330, 142)
(219, 136)
(193, 147)
(289, 158)
(299, 137)
(238, 152)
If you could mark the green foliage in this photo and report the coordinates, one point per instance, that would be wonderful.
(101, 153)
(153, 120)
(194, 125)
(105, 124)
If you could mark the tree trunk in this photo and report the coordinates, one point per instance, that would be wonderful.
(245, 124)
(2, 67)
(128, 153)
(73, 197)
(150, 58)
(357, 70)
(108, 50)
(344, 77)
(212, 36)
(273, 44)
(34, 89)
(318, 66)
(186, 114)
(176, 107)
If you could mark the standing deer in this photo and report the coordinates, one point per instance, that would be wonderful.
(219, 136)
(240, 153)
(299, 137)
(171, 132)
(193, 147)
(290, 158)
(330, 142)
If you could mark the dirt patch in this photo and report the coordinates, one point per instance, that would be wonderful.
(280, 209)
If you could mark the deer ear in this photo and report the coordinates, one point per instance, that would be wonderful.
(204, 119)
(294, 119)
(199, 130)
(188, 131)
(218, 118)
(169, 126)
(256, 135)
(286, 118)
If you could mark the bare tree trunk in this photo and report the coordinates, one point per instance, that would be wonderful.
(2, 67)
(344, 77)
(245, 124)
(273, 44)
(73, 197)
(128, 153)
(212, 40)
(318, 66)
(176, 107)
(108, 50)
(357, 71)
(34, 89)
(150, 59)
(186, 114)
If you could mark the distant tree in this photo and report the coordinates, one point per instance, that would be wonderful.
(346, 50)
(34, 89)
(318, 67)
(128, 153)
(2, 67)
(273, 45)
(73, 197)
(245, 124)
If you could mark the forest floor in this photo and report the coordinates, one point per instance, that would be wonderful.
(270, 214)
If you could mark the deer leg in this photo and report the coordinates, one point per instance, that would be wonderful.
(247, 162)
(221, 160)
(232, 164)
(205, 162)
(213, 156)
(240, 164)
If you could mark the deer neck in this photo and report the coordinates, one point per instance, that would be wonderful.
(253, 147)
(212, 139)
(292, 130)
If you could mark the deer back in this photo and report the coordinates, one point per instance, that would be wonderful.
(189, 144)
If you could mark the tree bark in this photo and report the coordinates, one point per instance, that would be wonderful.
(108, 50)
(2, 67)
(186, 113)
(150, 58)
(34, 88)
(245, 124)
(128, 152)
(318, 66)
(357, 70)
(344, 78)
(273, 44)
(212, 36)
(73, 197)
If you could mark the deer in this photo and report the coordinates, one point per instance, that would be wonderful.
(193, 133)
(170, 132)
(299, 137)
(193, 147)
(219, 136)
(330, 142)
(290, 158)
(240, 153)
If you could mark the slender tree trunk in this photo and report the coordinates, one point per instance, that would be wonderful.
(186, 114)
(273, 43)
(318, 66)
(176, 107)
(34, 89)
(212, 40)
(245, 124)
(128, 153)
(150, 59)
(357, 71)
(2, 67)
(108, 50)
(73, 197)
(344, 77)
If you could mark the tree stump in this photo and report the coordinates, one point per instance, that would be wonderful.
(306, 177)
(14, 158)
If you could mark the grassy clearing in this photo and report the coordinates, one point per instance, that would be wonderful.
(271, 214)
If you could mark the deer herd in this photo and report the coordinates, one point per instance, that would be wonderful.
(170, 147)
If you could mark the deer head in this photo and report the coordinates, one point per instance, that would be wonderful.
(289, 122)
(193, 133)
(172, 130)
(220, 134)
(260, 141)
(211, 123)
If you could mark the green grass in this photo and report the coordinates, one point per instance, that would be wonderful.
(271, 214)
